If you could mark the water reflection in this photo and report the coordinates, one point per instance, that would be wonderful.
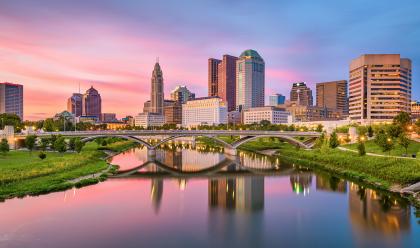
(329, 183)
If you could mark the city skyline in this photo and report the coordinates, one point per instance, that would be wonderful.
(115, 50)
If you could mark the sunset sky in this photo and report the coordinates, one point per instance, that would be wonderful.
(51, 46)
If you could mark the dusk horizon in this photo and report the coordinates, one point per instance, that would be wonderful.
(52, 47)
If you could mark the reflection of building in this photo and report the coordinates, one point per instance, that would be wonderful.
(371, 212)
(173, 158)
(156, 193)
(301, 183)
(269, 113)
(330, 183)
(244, 193)
(204, 111)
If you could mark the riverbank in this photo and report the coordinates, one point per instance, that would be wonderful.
(384, 173)
(23, 173)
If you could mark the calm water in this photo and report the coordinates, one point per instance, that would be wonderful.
(181, 201)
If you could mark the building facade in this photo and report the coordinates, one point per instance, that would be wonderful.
(276, 99)
(11, 99)
(379, 87)
(213, 74)
(301, 94)
(204, 111)
(250, 80)
(181, 94)
(109, 117)
(302, 113)
(75, 104)
(157, 97)
(173, 112)
(226, 81)
(147, 120)
(415, 110)
(332, 95)
(92, 103)
(269, 113)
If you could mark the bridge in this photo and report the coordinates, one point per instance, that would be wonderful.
(292, 137)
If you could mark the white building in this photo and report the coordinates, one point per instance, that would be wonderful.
(272, 114)
(204, 111)
(149, 120)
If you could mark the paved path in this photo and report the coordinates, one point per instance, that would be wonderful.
(373, 154)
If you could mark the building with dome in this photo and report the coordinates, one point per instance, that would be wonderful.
(250, 80)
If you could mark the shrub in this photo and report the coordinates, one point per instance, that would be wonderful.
(78, 145)
(334, 140)
(4, 146)
(42, 155)
(361, 148)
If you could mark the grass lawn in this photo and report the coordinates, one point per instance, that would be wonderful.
(24, 173)
(398, 150)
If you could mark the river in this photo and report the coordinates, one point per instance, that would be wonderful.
(200, 198)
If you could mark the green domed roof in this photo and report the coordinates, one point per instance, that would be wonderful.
(251, 53)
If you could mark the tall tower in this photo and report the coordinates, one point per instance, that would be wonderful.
(301, 94)
(156, 99)
(250, 80)
(332, 95)
(226, 81)
(75, 104)
(213, 74)
(92, 103)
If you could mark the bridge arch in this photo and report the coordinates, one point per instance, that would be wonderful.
(163, 141)
(135, 139)
(288, 139)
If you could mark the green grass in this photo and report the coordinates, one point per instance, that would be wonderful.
(398, 150)
(23, 173)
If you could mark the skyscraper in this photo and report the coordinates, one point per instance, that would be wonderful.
(301, 94)
(11, 99)
(75, 104)
(379, 87)
(213, 76)
(226, 81)
(181, 94)
(332, 95)
(276, 99)
(92, 103)
(157, 96)
(250, 80)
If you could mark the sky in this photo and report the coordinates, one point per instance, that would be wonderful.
(52, 46)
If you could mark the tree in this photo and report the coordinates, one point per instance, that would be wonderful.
(44, 143)
(319, 128)
(7, 119)
(4, 146)
(72, 144)
(383, 141)
(361, 148)
(104, 142)
(42, 155)
(30, 142)
(402, 119)
(320, 141)
(60, 145)
(334, 140)
(404, 141)
(394, 130)
(370, 132)
(78, 145)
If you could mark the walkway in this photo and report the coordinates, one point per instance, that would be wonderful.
(372, 154)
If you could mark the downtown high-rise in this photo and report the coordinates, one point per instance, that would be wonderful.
(379, 87)
(75, 104)
(301, 94)
(213, 76)
(92, 103)
(157, 97)
(250, 80)
(11, 99)
(332, 95)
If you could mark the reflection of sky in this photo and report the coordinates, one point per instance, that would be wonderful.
(121, 213)
(112, 44)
